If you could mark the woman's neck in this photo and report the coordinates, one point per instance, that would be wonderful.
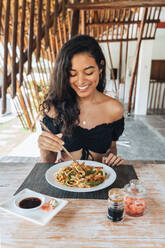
(90, 99)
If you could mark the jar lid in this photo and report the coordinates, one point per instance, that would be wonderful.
(116, 194)
(135, 188)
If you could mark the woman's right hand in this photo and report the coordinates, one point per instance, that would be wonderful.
(50, 142)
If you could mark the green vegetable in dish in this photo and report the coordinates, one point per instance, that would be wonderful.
(93, 183)
(89, 172)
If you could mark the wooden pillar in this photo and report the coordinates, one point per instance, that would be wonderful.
(143, 77)
(136, 58)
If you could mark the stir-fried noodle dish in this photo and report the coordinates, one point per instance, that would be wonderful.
(79, 175)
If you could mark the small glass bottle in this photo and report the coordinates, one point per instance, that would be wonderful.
(115, 204)
(135, 198)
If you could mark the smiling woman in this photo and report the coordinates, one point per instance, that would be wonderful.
(80, 116)
(84, 74)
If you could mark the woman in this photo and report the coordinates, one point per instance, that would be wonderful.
(80, 117)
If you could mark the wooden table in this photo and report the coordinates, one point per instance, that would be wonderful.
(83, 223)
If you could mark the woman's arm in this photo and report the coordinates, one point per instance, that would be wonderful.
(49, 144)
(47, 156)
(113, 148)
(111, 157)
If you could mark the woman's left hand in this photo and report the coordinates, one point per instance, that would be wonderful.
(112, 160)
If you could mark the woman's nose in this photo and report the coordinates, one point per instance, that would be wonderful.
(81, 78)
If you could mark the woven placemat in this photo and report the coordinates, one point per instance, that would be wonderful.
(36, 181)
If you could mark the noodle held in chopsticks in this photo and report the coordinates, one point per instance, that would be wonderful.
(79, 175)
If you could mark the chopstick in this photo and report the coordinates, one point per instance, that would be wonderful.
(47, 129)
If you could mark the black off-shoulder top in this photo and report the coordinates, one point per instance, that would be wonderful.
(97, 139)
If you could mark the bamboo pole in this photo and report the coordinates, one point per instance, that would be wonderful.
(26, 92)
(14, 44)
(136, 59)
(47, 61)
(41, 80)
(31, 93)
(163, 99)
(155, 98)
(149, 93)
(152, 92)
(44, 67)
(65, 33)
(47, 24)
(148, 18)
(24, 108)
(18, 109)
(39, 27)
(52, 48)
(35, 89)
(83, 20)
(75, 22)
(120, 61)
(1, 5)
(31, 32)
(41, 71)
(22, 32)
(158, 103)
(161, 90)
(6, 37)
(111, 63)
(156, 24)
(60, 34)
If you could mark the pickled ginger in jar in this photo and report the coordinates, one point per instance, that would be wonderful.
(135, 198)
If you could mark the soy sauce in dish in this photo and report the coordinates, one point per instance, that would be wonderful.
(30, 202)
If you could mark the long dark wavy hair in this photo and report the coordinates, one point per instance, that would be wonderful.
(60, 94)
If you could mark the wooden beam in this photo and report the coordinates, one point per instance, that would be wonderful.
(121, 23)
(116, 4)
(129, 39)
(161, 25)
(136, 58)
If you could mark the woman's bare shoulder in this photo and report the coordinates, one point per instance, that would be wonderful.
(114, 108)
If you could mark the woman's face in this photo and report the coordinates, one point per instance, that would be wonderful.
(84, 74)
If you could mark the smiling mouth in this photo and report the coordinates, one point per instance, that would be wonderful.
(83, 88)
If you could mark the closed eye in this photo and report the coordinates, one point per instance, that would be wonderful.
(71, 74)
(89, 73)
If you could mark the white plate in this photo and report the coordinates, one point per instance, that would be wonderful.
(38, 216)
(111, 176)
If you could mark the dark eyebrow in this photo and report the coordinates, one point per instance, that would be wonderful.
(87, 68)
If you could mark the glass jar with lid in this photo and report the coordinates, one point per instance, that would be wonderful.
(115, 204)
(135, 198)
